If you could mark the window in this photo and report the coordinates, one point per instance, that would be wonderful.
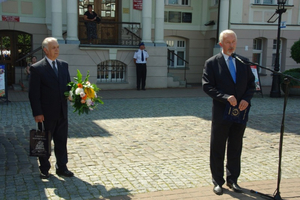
(268, 2)
(186, 17)
(214, 2)
(177, 52)
(108, 8)
(83, 6)
(257, 51)
(111, 71)
(177, 2)
(177, 17)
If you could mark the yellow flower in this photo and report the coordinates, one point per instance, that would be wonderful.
(89, 92)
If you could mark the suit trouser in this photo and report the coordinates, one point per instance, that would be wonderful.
(141, 72)
(59, 133)
(232, 133)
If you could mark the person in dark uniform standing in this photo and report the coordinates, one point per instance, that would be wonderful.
(140, 59)
(230, 83)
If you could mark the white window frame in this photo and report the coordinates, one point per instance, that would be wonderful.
(273, 2)
(178, 3)
(258, 51)
(177, 45)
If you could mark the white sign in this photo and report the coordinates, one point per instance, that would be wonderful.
(283, 24)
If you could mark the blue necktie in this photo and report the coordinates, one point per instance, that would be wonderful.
(232, 69)
(142, 56)
(54, 68)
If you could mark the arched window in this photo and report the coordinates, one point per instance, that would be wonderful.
(257, 53)
(111, 71)
(177, 47)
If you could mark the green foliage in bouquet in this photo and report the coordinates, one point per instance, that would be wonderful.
(83, 94)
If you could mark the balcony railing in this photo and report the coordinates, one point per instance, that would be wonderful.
(113, 33)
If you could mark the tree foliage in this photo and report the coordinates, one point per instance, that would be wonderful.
(295, 51)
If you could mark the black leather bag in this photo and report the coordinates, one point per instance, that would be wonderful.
(233, 114)
(98, 20)
(40, 142)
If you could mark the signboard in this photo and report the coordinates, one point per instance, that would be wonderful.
(3, 81)
(283, 24)
(8, 18)
(138, 4)
(257, 79)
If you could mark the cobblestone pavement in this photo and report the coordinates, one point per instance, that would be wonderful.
(150, 148)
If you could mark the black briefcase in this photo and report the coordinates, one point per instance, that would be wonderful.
(40, 142)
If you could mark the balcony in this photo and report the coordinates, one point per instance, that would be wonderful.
(121, 34)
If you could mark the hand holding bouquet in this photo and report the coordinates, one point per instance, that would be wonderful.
(83, 94)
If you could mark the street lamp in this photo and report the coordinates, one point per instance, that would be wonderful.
(275, 90)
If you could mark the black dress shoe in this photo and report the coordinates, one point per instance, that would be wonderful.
(66, 173)
(44, 175)
(143, 89)
(235, 187)
(218, 190)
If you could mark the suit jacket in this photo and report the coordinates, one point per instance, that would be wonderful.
(46, 90)
(218, 84)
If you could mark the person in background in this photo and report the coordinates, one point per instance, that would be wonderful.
(140, 59)
(90, 23)
(48, 82)
(230, 83)
(27, 70)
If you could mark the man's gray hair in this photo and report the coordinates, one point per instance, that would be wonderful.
(226, 32)
(46, 42)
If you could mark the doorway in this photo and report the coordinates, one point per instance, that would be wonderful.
(108, 29)
(14, 45)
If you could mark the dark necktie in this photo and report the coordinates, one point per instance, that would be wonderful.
(232, 69)
(142, 55)
(54, 68)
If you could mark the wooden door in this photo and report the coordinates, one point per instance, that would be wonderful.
(107, 30)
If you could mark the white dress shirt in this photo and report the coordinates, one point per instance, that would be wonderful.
(138, 56)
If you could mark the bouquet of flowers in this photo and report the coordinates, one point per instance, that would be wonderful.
(83, 94)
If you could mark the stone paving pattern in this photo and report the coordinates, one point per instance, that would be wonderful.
(150, 144)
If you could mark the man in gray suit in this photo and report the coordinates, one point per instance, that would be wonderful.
(230, 83)
(47, 84)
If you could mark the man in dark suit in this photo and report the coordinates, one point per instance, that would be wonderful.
(225, 86)
(47, 84)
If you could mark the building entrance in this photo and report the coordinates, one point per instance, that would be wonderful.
(108, 29)
(14, 45)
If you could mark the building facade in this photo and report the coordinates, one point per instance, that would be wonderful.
(179, 36)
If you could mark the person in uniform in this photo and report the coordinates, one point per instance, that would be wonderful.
(140, 59)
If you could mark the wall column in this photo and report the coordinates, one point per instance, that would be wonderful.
(146, 22)
(159, 23)
(72, 23)
(224, 15)
(223, 22)
(57, 20)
